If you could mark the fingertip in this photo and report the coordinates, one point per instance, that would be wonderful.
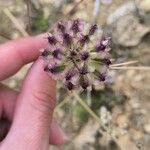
(41, 38)
(57, 135)
(39, 78)
(19, 52)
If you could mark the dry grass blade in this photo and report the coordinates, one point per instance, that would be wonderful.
(15, 21)
(125, 63)
(61, 104)
(4, 35)
(145, 68)
(28, 4)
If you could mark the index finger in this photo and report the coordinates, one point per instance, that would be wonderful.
(16, 53)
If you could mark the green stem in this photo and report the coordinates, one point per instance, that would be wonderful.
(62, 103)
(86, 107)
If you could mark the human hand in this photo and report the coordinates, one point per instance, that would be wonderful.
(27, 113)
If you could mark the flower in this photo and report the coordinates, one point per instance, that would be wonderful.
(77, 54)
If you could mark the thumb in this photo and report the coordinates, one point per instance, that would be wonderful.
(34, 110)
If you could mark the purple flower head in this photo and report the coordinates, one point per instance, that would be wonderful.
(76, 54)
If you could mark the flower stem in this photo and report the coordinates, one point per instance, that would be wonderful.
(88, 109)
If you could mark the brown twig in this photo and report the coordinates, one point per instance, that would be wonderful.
(132, 68)
(68, 13)
(73, 8)
(28, 4)
(4, 35)
(15, 21)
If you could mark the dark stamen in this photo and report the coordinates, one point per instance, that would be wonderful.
(107, 61)
(100, 47)
(84, 56)
(61, 27)
(84, 83)
(73, 53)
(46, 68)
(93, 29)
(54, 69)
(84, 39)
(69, 75)
(67, 38)
(75, 26)
(52, 40)
(45, 53)
(84, 70)
(56, 53)
(101, 77)
(70, 86)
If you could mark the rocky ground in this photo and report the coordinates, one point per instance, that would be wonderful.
(122, 105)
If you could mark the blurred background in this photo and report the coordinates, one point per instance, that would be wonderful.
(117, 114)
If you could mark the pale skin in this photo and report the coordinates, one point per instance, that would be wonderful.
(31, 109)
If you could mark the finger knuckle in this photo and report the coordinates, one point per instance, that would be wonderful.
(43, 101)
